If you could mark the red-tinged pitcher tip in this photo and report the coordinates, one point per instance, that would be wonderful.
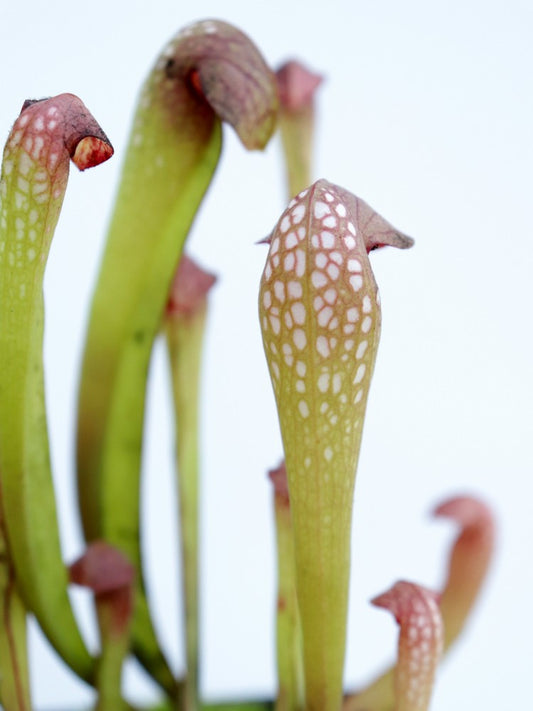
(468, 511)
(51, 125)
(189, 289)
(416, 609)
(102, 568)
(278, 477)
(469, 561)
(296, 85)
(224, 68)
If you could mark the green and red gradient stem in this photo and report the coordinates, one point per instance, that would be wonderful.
(296, 89)
(185, 319)
(209, 73)
(14, 676)
(288, 630)
(469, 561)
(320, 318)
(45, 137)
(106, 572)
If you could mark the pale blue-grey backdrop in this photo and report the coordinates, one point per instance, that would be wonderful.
(426, 112)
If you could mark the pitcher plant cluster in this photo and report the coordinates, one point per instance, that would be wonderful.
(320, 318)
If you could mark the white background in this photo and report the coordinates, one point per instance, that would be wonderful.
(427, 113)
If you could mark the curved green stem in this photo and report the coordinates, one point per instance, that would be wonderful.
(184, 328)
(208, 73)
(34, 178)
(14, 678)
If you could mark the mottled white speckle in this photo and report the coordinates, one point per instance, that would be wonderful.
(284, 224)
(328, 454)
(318, 303)
(300, 386)
(297, 214)
(360, 374)
(327, 239)
(330, 295)
(275, 323)
(365, 326)
(23, 184)
(340, 210)
(333, 271)
(336, 383)
(322, 346)
(330, 221)
(323, 382)
(321, 260)
(354, 265)
(304, 408)
(291, 240)
(301, 368)
(367, 305)
(38, 188)
(328, 197)
(294, 289)
(37, 147)
(356, 282)
(25, 163)
(289, 262)
(336, 257)
(279, 290)
(324, 316)
(298, 312)
(361, 348)
(299, 338)
(318, 279)
(300, 262)
(321, 209)
(351, 228)
(349, 242)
